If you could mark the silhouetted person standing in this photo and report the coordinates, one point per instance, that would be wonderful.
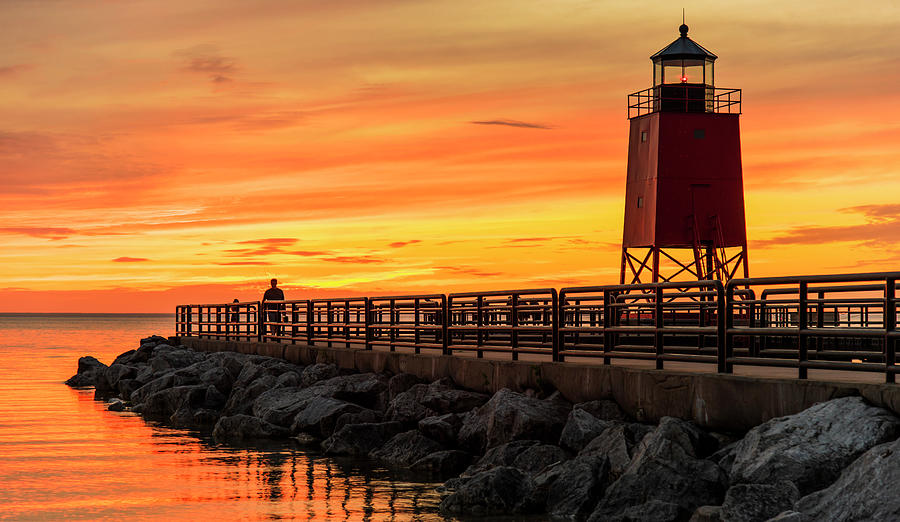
(274, 310)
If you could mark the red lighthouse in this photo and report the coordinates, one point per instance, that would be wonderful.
(684, 197)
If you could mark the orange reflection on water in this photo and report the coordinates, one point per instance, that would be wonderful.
(62, 455)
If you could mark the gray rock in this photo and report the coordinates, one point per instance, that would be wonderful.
(758, 502)
(400, 383)
(811, 448)
(126, 387)
(365, 416)
(218, 377)
(407, 408)
(116, 372)
(499, 491)
(404, 449)
(169, 358)
(604, 409)
(214, 399)
(580, 429)
(502, 455)
(162, 404)
(288, 379)
(89, 370)
(189, 417)
(443, 463)
(665, 472)
(535, 458)
(617, 443)
(577, 488)
(650, 511)
(316, 373)
(280, 406)
(866, 490)
(360, 439)
(156, 385)
(366, 389)
(245, 428)
(115, 405)
(707, 514)
(319, 416)
(790, 516)
(442, 397)
(242, 397)
(509, 416)
(442, 428)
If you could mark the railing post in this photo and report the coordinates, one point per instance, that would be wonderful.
(820, 318)
(261, 322)
(890, 326)
(514, 322)
(479, 321)
(802, 324)
(607, 323)
(559, 316)
(310, 322)
(658, 337)
(416, 323)
(368, 323)
(445, 323)
(724, 324)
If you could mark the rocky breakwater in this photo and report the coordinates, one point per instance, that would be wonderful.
(521, 453)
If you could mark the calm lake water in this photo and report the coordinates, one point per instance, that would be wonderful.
(63, 456)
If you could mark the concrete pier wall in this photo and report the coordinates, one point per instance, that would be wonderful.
(715, 401)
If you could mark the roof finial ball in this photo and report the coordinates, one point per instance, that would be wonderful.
(683, 29)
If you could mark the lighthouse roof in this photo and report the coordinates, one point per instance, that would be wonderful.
(683, 49)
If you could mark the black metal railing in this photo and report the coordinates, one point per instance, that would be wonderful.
(681, 98)
(844, 322)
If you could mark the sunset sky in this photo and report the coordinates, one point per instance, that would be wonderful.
(155, 152)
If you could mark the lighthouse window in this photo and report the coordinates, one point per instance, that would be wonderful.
(699, 134)
(640, 202)
(643, 135)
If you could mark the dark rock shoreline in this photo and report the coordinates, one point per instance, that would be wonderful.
(522, 453)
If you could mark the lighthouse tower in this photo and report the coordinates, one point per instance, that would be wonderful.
(684, 196)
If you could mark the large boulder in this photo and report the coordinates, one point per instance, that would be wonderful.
(166, 358)
(866, 490)
(581, 428)
(666, 471)
(317, 372)
(245, 428)
(603, 409)
(442, 428)
(576, 488)
(360, 439)
(242, 397)
(281, 405)
(617, 443)
(428, 400)
(319, 416)
(405, 449)
(811, 448)
(89, 370)
(498, 491)
(447, 463)
(502, 455)
(758, 502)
(162, 404)
(509, 416)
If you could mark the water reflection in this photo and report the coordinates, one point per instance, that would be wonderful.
(63, 456)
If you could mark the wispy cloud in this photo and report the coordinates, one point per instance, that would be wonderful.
(270, 241)
(54, 233)
(468, 270)
(512, 123)
(209, 61)
(400, 244)
(12, 70)
(882, 228)
(130, 260)
(245, 263)
(353, 259)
